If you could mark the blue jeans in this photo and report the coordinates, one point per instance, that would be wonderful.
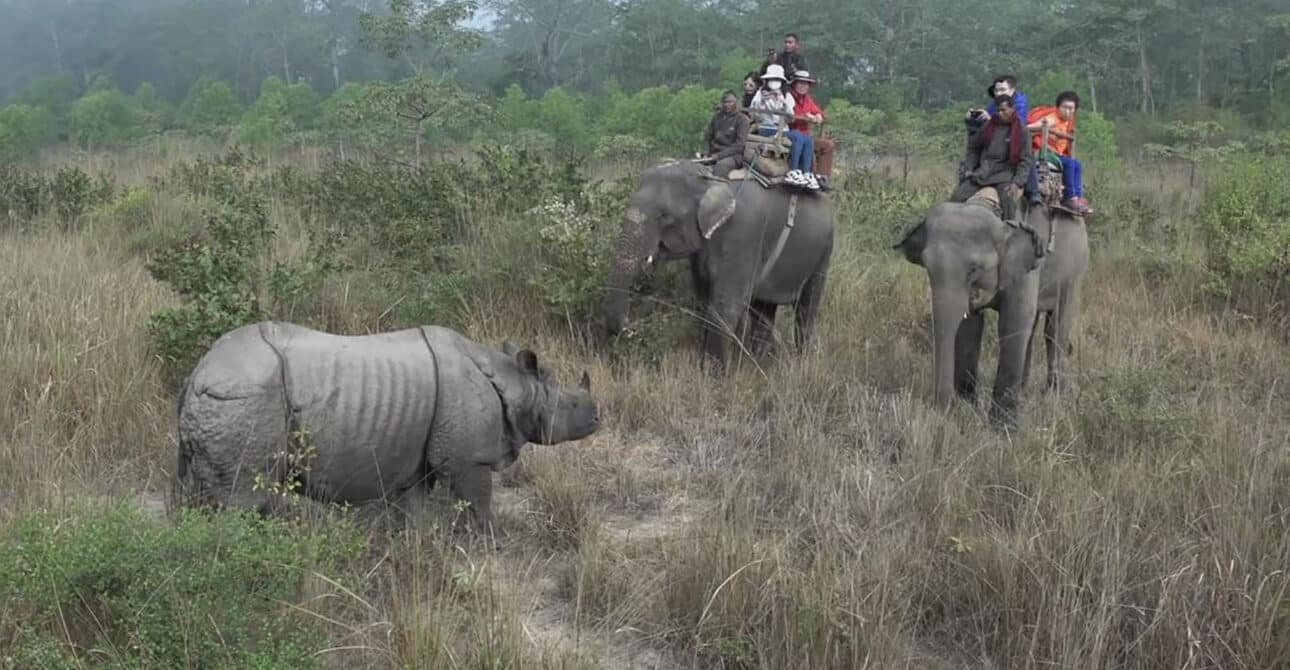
(802, 155)
(1072, 177)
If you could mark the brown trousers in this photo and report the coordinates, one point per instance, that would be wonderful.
(824, 156)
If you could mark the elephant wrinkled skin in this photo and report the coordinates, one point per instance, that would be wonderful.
(727, 231)
(975, 261)
(379, 413)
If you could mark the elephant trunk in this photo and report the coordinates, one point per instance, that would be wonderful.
(636, 245)
(949, 306)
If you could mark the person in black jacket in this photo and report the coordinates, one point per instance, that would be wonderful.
(999, 155)
(726, 134)
(791, 58)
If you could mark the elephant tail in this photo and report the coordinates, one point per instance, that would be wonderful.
(913, 243)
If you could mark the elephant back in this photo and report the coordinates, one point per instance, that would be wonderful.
(767, 155)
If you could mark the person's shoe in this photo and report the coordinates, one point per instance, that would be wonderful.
(824, 182)
(795, 177)
(811, 182)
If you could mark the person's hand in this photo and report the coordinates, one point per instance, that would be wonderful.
(1014, 191)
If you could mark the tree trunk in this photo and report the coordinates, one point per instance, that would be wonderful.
(1148, 105)
(335, 62)
(420, 128)
(1200, 71)
(58, 48)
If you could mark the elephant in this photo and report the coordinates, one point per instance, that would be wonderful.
(975, 261)
(276, 406)
(728, 230)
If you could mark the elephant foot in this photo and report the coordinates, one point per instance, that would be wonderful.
(1003, 414)
(1060, 385)
(966, 392)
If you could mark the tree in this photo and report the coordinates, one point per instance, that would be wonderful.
(423, 35)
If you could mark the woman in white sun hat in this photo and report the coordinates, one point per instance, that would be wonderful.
(774, 97)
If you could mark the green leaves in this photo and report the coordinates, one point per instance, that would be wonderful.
(113, 585)
(423, 33)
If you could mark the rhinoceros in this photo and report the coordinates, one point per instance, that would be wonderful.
(361, 418)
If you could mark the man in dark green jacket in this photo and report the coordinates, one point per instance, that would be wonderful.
(999, 155)
(726, 134)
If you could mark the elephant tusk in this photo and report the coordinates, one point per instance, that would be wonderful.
(649, 260)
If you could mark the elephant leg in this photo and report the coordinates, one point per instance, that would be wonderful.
(761, 321)
(729, 304)
(1016, 319)
(1030, 347)
(703, 291)
(967, 356)
(807, 309)
(1057, 336)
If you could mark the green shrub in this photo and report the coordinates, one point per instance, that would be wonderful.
(118, 589)
(1245, 216)
(25, 129)
(23, 195)
(69, 193)
(573, 250)
(104, 117)
(226, 271)
(211, 105)
(56, 93)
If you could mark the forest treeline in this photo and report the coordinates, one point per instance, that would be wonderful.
(147, 65)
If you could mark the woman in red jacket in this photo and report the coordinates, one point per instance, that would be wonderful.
(807, 111)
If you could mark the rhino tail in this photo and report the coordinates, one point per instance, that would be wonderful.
(184, 449)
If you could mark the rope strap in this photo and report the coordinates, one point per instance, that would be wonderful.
(783, 239)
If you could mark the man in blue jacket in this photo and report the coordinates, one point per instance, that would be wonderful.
(1006, 84)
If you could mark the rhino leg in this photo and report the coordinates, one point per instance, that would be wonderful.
(473, 483)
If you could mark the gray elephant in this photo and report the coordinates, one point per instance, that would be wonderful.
(750, 249)
(275, 406)
(975, 261)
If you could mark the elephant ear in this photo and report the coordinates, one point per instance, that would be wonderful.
(716, 207)
(1019, 253)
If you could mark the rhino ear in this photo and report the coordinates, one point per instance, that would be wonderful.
(510, 348)
(527, 360)
(585, 382)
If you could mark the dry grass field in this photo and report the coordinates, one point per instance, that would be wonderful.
(811, 512)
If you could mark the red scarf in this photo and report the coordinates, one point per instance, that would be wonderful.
(1014, 152)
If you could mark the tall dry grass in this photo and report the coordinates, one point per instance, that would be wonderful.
(809, 512)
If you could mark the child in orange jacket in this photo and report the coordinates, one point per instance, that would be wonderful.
(1061, 118)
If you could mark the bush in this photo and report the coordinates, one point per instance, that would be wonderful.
(24, 129)
(113, 585)
(104, 117)
(211, 105)
(225, 271)
(1245, 216)
(573, 254)
(69, 192)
